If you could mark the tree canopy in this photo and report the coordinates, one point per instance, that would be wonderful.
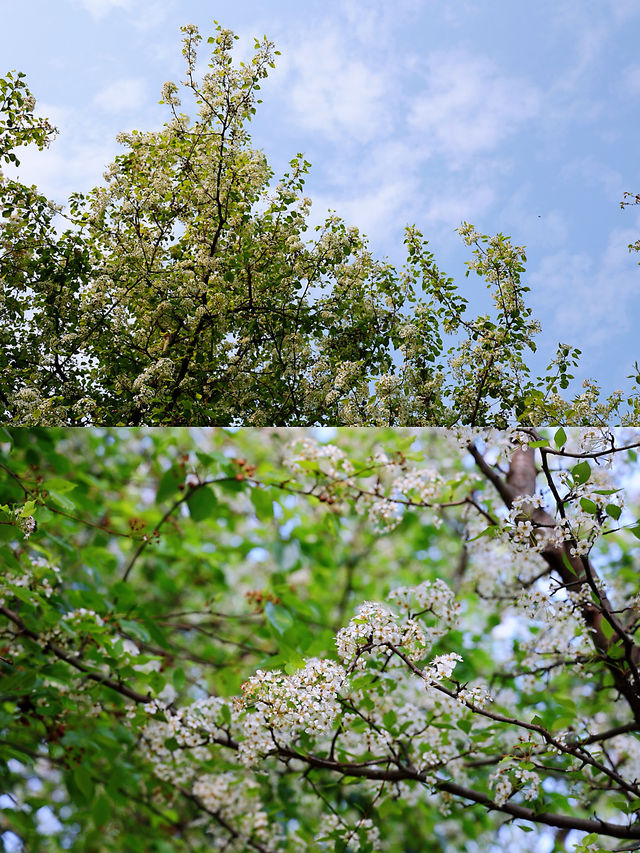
(285, 640)
(191, 289)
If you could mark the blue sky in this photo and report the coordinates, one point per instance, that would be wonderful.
(520, 118)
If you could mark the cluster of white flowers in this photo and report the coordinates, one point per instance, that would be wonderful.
(587, 514)
(441, 667)
(41, 575)
(376, 627)
(536, 604)
(334, 242)
(82, 614)
(332, 461)
(280, 706)
(191, 724)
(474, 694)
(590, 510)
(232, 796)
(502, 785)
(83, 407)
(518, 528)
(409, 333)
(363, 835)
(494, 563)
(294, 243)
(145, 385)
(385, 514)
(347, 375)
(590, 440)
(432, 596)
(169, 95)
(563, 630)
(508, 778)
(27, 525)
(421, 484)
(235, 799)
(32, 407)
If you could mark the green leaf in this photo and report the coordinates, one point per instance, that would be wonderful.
(27, 509)
(588, 506)
(613, 510)
(59, 485)
(168, 485)
(179, 679)
(262, 501)
(389, 719)
(61, 501)
(567, 563)
(156, 681)
(560, 438)
(607, 629)
(581, 472)
(278, 616)
(23, 594)
(294, 664)
(135, 629)
(101, 810)
(202, 503)
(83, 782)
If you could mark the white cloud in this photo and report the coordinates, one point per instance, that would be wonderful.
(468, 106)
(64, 168)
(380, 212)
(586, 30)
(592, 172)
(451, 208)
(375, 23)
(100, 8)
(591, 302)
(122, 95)
(332, 90)
(145, 14)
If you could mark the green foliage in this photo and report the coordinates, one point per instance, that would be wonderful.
(191, 289)
(171, 677)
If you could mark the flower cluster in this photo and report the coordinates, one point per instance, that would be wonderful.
(476, 695)
(441, 667)
(364, 835)
(376, 628)
(509, 778)
(421, 485)
(234, 798)
(27, 525)
(147, 383)
(279, 706)
(430, 596)
(329, 459)
(81, 616)
(40, 575)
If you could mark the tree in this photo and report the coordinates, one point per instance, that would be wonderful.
(190, 290)
(269, 640)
